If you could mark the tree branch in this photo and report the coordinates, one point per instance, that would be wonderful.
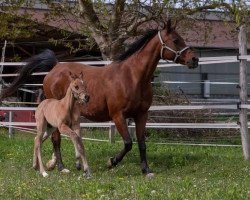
(88, 13)
(116, 17)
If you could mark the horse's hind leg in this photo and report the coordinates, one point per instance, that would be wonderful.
(122, 128)
(79, 148)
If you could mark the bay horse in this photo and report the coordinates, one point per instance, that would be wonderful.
(64, 115)
(117, 91)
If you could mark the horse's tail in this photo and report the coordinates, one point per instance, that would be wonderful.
(42, 62)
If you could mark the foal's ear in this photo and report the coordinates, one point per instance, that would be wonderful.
(81, 76)
(72, 76)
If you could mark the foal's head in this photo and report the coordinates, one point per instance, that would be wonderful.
(78, 88)
(174, 48)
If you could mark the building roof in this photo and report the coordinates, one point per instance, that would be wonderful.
(203, 33)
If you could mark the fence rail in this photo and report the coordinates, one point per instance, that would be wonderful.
(110, 125)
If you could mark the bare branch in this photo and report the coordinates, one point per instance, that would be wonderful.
(88, 13)
(116, 16)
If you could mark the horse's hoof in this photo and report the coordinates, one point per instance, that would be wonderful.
(45, 174)
(150, 175)
(51, 164)
(110, 163)
(65, 171)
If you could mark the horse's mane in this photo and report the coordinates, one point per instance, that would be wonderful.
(138, 44)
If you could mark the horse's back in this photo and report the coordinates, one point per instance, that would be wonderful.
(57, 80)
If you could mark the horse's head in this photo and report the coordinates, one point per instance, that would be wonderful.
(78, 88)
(174, 48)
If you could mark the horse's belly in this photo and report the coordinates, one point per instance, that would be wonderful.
(98, 114)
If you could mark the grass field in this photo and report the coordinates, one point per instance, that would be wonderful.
(182, 172)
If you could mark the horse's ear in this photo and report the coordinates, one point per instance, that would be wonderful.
(169, 25)
(174, 24)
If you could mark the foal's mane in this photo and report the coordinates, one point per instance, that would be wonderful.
(138, 44)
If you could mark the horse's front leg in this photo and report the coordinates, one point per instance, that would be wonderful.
(122, 128)
(140, 122)
(80, 156)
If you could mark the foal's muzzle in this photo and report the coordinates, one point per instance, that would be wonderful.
(83, 98)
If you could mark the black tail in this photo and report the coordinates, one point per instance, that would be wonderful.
(42, 62)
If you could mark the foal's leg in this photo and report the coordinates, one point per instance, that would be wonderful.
(122, 127)
(140, 122)
(79, 148)
(56, 156)
(80, 155)
(37, 159)
(76, 128)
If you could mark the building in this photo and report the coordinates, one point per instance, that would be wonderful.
(208, 34)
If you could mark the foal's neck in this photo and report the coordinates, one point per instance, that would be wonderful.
(69, 100)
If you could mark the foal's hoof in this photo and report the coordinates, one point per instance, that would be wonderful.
(78, 166)
(65, 171)
(45, 174)
(150, 175)
(51, 164)
(87, 175)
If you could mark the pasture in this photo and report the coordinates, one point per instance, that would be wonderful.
(182, 172)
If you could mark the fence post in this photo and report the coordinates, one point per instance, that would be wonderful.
(131, 130)
(112, 133)
(243, 93)
(10, 126)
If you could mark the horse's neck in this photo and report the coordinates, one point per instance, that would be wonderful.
(68, 101)
(144, 62)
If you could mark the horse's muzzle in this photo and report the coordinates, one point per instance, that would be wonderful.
(193, 63)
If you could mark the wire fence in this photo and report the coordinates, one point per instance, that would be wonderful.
(218, 105)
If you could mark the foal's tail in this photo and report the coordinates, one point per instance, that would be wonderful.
(42, 62)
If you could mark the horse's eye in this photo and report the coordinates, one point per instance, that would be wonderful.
(76, 87)
(175, 41)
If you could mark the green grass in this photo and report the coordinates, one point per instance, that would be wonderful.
(181, 172)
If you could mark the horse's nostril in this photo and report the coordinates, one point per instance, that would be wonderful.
(195, 59)
(86, 98)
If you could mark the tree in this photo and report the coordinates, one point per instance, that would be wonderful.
(109, 24)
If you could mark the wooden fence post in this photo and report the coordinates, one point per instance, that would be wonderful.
(243, 93)
(10, 126)
(112, 133)
(1, 67)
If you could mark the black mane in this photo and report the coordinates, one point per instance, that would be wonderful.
(135, 46)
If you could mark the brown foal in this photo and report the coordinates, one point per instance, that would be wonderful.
(64, 115)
